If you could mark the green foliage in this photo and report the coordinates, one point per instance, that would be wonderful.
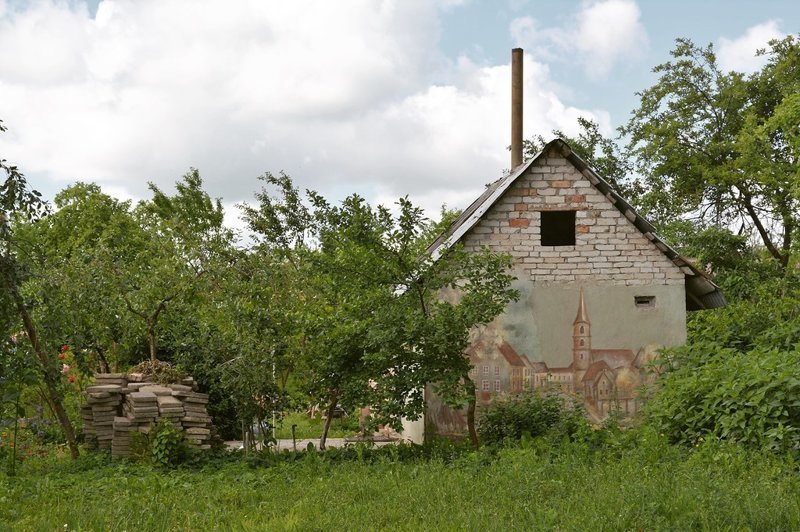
(722, 146)
(649, 486)
(750, 397)
(366, 322)
(760, 313)
(531, 414)
(254, 393)
(167, 447)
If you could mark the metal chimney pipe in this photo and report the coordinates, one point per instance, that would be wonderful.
(516, 107)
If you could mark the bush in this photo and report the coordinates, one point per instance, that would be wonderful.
(531, 414)
(163, 447)
(167, 447)
(750, 397)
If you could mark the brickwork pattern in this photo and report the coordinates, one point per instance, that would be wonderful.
(608, 250)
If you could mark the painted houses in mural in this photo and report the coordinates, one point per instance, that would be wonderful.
(600, 291)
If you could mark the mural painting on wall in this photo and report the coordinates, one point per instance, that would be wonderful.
(592, 362)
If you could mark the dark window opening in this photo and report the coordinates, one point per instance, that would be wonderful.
(645, 301)
(558, 228)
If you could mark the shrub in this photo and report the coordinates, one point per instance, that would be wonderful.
(164, 446)
(530, 414)
(167, 447)
(750, 397)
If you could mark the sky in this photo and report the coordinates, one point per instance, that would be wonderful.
(377, 97)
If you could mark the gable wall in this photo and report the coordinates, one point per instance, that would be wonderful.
(608, 249)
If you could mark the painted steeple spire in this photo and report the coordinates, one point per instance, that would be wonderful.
(581, 340)
(583, 316)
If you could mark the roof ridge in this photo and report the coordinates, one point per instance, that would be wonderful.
(700, 290)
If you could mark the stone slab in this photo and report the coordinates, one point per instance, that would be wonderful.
(104, 409)
(109, 375)
(142, 396)
(168, 400)
(156, 390)
(143, 412)
(111, 388)
(197, 419)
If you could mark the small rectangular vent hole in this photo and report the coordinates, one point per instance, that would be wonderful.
(645, 301)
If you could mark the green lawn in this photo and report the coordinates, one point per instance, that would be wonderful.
(311, 427)
(655, 487)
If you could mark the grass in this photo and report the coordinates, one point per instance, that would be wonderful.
(311, 427)
(651, 486)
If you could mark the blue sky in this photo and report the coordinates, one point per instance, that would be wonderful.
(384, 98)
(480, 29)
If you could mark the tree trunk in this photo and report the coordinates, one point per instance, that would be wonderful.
(331, 408)
(473, 435)
(48, 373)
(151, 340)
(102, 361)
(782, 258)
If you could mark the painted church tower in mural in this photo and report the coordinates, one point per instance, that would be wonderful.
(581, 343)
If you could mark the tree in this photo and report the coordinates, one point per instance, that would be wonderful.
(180, 239)
(18, 203)
(76, 296)
(721, 146)
(374, 324)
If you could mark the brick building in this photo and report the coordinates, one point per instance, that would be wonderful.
(575, 244)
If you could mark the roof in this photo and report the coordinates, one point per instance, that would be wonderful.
(536, 367)
(594, 371)
(511, 356)
(701, 292)
(539, 367)
(582, 316)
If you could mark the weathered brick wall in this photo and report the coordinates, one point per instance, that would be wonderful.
(608, 249)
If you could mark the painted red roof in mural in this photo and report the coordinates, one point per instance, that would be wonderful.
(539, 367)
(616, 358)
(594, 370)
(511, 356)
(568, 369)
(536, 367)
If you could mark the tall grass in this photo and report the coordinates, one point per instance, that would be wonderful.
(649, 486)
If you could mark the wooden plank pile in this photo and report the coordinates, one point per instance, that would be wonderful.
(115, 408)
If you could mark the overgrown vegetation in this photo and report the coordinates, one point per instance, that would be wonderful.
(639, 482)
(532, 414)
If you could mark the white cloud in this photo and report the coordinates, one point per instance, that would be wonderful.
(599, 36)
(740, 54)
(337, 94)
